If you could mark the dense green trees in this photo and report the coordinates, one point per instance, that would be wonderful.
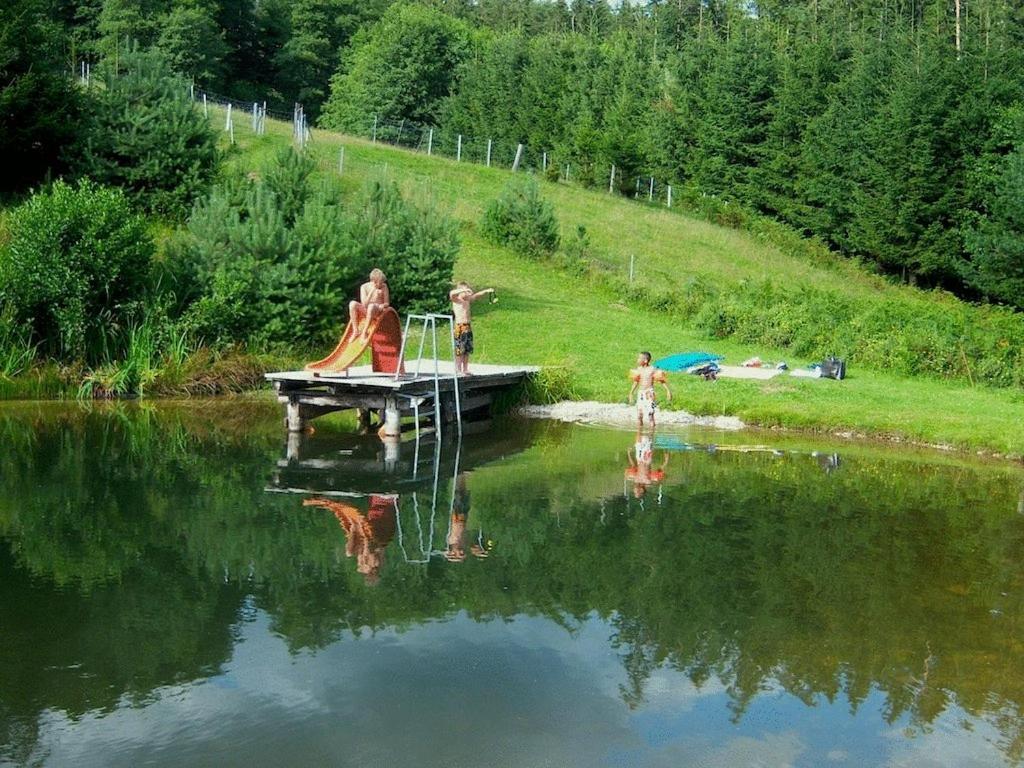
(881, 131)
(400, 69)
(39, 106)
(146, 137)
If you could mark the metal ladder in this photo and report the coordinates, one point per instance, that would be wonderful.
(430, 320)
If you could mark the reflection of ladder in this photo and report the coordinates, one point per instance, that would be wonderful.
(429, 322)
(426, 548)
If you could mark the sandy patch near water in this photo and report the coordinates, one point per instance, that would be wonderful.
(617, 414)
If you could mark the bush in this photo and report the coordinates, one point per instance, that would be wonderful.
(523, 220)
(245, 272)
(75, 269)
(146, 136)
(414, 245)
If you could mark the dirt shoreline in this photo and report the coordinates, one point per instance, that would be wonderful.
(618, 414)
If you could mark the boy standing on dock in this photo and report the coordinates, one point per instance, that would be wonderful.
(462, 297)
(644, 377)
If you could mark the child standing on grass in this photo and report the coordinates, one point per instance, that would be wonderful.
(462, 297)
(644, 377)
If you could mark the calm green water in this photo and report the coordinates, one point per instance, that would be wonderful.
(178, 586)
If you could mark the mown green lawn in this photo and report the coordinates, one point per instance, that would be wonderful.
(545, 316)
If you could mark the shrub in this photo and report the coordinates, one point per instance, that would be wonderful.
(244, 272)
(415, 246)
(522, 219)
(75, 269)
(145, 136)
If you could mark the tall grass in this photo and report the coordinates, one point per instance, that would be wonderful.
(16, 348)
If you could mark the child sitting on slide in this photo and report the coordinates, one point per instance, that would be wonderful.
(374, 298)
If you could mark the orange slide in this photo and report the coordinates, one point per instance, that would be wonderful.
(384, 337)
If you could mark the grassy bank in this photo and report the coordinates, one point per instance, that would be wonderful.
(588, 323)
(593, 328)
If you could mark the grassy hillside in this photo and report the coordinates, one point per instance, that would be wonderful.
(547, 316)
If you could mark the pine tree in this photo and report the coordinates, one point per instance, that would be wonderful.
(146, 136)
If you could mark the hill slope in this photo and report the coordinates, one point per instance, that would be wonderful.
(547, 316)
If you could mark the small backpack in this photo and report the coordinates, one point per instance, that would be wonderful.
(833, 368)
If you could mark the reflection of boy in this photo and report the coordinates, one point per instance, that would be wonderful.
(365, 537)
(457, 530)
(641, 460)
(462, 297)
(644, 377)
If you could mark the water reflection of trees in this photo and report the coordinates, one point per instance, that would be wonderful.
(755, 570)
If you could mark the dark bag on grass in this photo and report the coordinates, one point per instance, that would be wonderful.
(833, 368)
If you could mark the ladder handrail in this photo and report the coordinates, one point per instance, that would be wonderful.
(430, 319)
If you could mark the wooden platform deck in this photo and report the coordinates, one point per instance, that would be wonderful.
(306, 395)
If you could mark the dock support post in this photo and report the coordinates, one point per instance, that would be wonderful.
(295, 419)
(294, 445)
(392, 453)
(363, 418)
(392, 420)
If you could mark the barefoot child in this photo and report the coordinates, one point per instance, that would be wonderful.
(374, 298)
(644, 377)
(462, 297)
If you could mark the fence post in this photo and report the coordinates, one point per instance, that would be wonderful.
(430, 142)
(206, 109)
(458, 150)
(488, 153)
(374, 129)
(632, 262)
(519, 157)
(566, 171)
(650, 192)
(545, 162)
(611, 181)
(229, 125)
(669, 195)
(401, 127)
(255, 117)
(341, 161)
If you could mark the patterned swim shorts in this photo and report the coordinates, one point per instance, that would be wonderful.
(463, 339)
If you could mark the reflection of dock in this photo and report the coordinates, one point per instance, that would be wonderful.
(307, 396)
(348, 464)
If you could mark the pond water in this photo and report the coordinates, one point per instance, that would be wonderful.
(179, 585)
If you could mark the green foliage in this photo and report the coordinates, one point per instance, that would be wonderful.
(192, 44)
(16, 348)
(400, 68)
(415, 246)
(288, 180)
(40, 109)
(995, 235)
(276, 261)
(522, 219)
(147, 138)
(75, 269)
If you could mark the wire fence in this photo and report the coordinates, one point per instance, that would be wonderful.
(434, 140)
(250, 118)
(429, 139)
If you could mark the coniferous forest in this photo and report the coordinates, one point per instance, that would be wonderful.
(893, 130)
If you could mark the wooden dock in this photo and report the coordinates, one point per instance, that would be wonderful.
(306, 395)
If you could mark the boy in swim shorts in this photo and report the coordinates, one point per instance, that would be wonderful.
(644, 377)
(462, 297)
